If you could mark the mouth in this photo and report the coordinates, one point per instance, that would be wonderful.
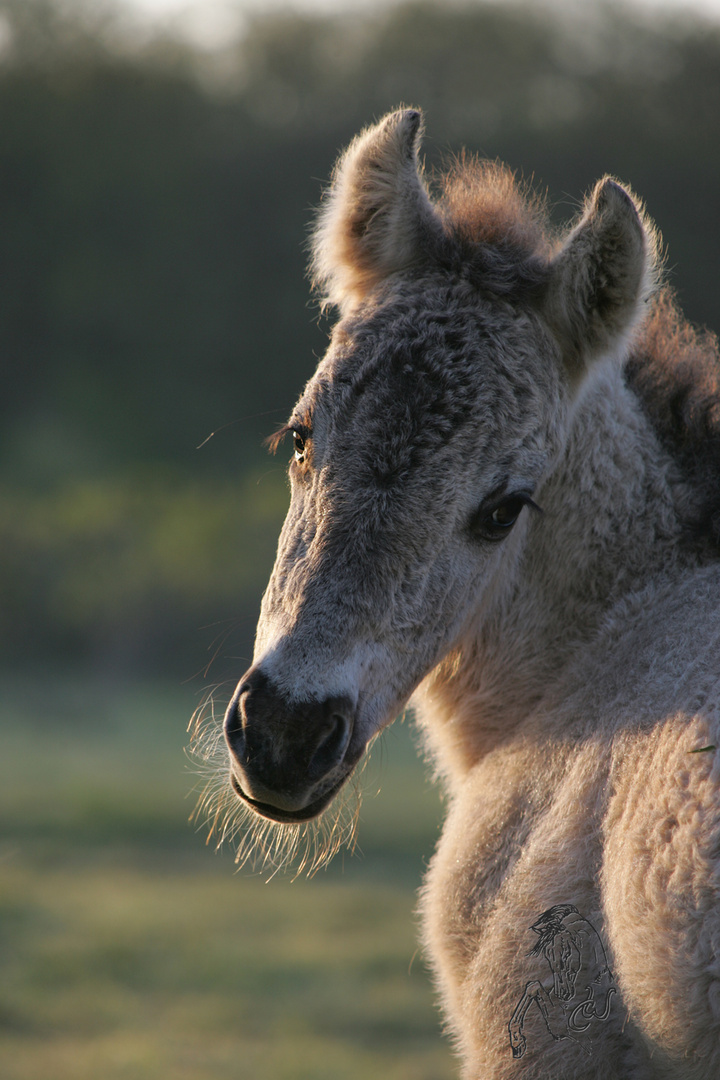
(290, 817)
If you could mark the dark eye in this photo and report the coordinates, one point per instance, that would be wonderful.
(496, 517)
(506, 514)
(298, 446)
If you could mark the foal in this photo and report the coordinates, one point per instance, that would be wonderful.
(506, 502)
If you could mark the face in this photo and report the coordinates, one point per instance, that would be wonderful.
(417, 449)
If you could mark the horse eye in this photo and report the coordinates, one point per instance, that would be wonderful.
(506, 514)
(494, 520)
(299, 447)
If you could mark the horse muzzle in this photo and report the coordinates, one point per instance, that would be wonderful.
(288, 760)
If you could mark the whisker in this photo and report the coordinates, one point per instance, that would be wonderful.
(264, 845)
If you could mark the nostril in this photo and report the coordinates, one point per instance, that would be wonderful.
(252, 685)
(232, 723)
(331, 745)
(233, 728)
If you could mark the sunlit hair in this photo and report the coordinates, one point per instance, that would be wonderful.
(259, 843)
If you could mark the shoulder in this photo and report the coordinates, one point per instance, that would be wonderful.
(660, 876)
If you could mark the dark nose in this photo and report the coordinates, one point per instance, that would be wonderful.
(286, 755)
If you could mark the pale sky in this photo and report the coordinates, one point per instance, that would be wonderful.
(210, 22)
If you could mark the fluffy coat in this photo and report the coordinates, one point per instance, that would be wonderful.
(565, 664)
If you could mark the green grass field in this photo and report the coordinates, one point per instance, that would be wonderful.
(130, 949)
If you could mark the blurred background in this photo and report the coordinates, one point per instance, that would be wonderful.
(159, 161)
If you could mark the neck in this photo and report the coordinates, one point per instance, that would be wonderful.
(610, 526)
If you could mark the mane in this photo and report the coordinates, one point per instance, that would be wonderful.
(498, 225)
(484, 202)
(675, 371)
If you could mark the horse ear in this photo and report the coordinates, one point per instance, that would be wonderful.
(601, 277)
(377, 216)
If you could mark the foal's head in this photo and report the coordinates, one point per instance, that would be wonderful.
(419, 444)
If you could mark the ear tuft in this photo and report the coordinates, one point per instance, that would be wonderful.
(602, 276)
(377, 217)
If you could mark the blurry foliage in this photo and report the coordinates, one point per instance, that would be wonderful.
(155, 202)
(129, 949)
(128, 570)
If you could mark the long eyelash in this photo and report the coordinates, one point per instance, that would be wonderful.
(501, 492)
(533, 505)
(273, 441)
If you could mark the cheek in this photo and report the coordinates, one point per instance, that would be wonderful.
(426, 615)
(463, 583)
